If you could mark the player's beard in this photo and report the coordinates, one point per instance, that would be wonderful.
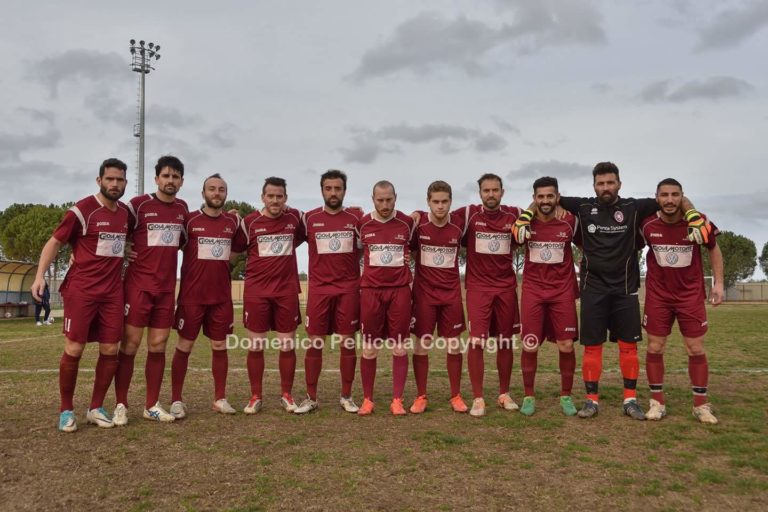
(112, 195)
(546, 208)
(214, 203)
(170, 189)
(333, 202)
(491, 203)
(608, 197)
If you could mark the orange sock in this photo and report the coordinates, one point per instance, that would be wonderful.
(630, 368)
(591, 368)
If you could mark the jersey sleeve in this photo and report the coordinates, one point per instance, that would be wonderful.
(572, 203)
(646, 206)
(240, 240)
(713, 238)
(69, 229)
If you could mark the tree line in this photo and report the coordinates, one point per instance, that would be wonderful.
(24, 229)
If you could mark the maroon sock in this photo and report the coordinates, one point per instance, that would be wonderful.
(529, 362)
(255, 364)
(347, 363)
(476, 367)
(698, 371)
(420, 373)
(106, 366)
(454, 363)
(313, 365)
(178, 373)
(567, 362)
(219, 368)
(123, 376)
(504, 359)
(287, 364)
(399, 375)
(654, 369)
(68, 366)
(368, 376)
(153, 372)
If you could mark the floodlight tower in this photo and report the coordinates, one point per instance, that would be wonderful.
(141, 62)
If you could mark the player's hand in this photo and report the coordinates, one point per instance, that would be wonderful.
(357, 209)
(717, 294)
(38, 288)
(521, 230)
(560, 212)
(234, 211)
(699, 228)
(130, 254)
(416, 216)
(407, 259)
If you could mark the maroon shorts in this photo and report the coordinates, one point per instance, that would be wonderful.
(149, 309)
(385, 313)
(449, 319)
(659, 316)
(550, 320)
(87, 320)
(493, 314)
(337, 313)
(217, 320)
(264, 314)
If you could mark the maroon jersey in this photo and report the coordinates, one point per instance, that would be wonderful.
(437, 262)
(334, 256)
(156, 229)
(205, 274)
(549, 273)
(385, 245)
(97, 236)
(490, 251)
(272, 269)
(675, 273)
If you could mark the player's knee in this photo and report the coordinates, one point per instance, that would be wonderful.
(694, 346)
(565, 346)
(185, 345)
(219, 344)
(370, 352)
(130, 346)
(399, 350)
(108, 349)
(656, 345)
(74, 349)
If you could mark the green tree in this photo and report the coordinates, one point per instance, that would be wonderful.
(739, 257)
(243, 209)
(764, 260)
(25, 231)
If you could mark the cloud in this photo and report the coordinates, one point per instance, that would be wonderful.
(38, 181)
(223, 136)
(12, 145)
(506, 126)
(48, 116)
(555, 168)
(713, 88)
(367, 145)
(430, 40)
(77, 65)
(733, 26)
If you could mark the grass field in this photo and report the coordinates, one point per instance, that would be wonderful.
(331, 460)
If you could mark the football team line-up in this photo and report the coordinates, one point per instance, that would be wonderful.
(384, 300)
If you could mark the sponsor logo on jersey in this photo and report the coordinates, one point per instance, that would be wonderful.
(385, 255)
(334, 242)
(161, 234)
(369, 235)
(150, 214)
(493, 243)
(675, 256)
(275, 245)
(195, 230)
(591, 228)
(102, 223)
(438, 256)
(318, 224)
(211, 248)
(424, 237)
(110, 244)
(593, 212)
(656, 235)
(546, 252)
(479, 223)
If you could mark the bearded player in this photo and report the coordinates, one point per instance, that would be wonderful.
(491, 289)
(333, 299)
(437, 292)
(96, 227)
(205, 294)
(385, 294)
(156, 229)
(271, 295)
(675, 290)
(549, 294)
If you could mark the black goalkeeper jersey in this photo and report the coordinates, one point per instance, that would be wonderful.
(609, 262)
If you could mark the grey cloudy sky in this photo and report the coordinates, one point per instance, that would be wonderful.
(407, 90)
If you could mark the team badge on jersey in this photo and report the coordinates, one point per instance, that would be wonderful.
(618, 216)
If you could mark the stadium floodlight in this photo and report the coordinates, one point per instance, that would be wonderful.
(141, 63)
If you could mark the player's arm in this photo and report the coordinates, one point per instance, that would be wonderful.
(717, 294)
(47, 255)
(572, 204)
(521, 229)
